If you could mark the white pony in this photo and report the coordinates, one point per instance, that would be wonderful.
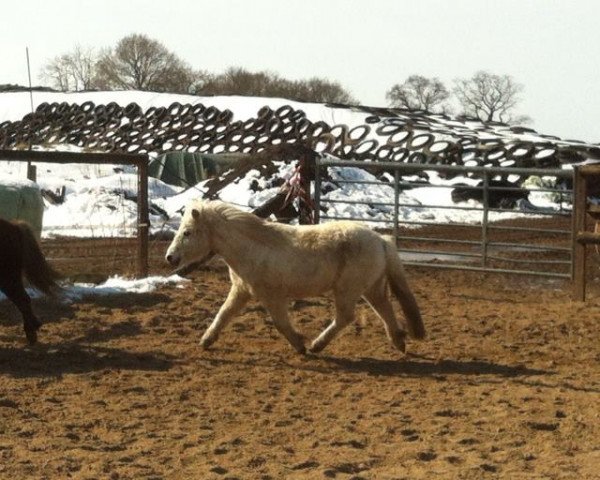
(276, 263)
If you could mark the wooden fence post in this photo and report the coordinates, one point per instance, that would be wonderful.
(143, 218)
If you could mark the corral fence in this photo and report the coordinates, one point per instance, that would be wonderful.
(520, 239)
(88, 256)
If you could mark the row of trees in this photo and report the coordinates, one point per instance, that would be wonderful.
(137, 62)
(141, 63)
(485, 96)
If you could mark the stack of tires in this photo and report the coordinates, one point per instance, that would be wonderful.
(397, 135)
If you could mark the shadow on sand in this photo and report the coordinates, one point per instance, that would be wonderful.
(54, 361)
(415, 365)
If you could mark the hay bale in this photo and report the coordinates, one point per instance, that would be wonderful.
(21, 199)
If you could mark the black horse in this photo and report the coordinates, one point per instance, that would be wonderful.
(20, 255)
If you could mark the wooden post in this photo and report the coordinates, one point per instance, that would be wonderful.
(485, 219)
(306, 171)
(31, 172)
(579, 226)
(396, 204)
(143, 219)
(317, 196)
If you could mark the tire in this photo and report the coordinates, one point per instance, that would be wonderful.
(211, 113)
(399, 139)
(384, 153)
(198, 109)
(495, 155)
(63, 108)
(438, 148)
(357, 134)
(297, 115)
(520, 150)
(544, 153)
(340, 132)
(132, 110)
(225, 116)
(174, 109)
(249, 139)
(400, 154)
(318, 128)
(265, 113)
(417, 157)
(420, 142)
(79, 120)
(43, 108)
(303, 126)
(186, 109)
(323, 143)
(100, 111)
(366, 147)
(388, 129)
(87, 107)
(289, 131)
(284, 111)
(114, 110)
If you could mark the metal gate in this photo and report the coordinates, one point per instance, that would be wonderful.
(138, 246)
(530, 240)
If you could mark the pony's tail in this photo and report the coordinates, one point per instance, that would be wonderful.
(37, 270)
(401, 290)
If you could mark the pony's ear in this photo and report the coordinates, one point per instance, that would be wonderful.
(195, 213)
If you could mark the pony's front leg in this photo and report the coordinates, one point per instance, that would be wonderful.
(279, 313)
(235, 301)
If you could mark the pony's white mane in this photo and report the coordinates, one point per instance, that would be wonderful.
(231, 213)
(245, 223)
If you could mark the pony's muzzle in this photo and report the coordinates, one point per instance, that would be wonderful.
(173, 259)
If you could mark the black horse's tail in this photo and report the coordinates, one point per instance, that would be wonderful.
(35, 266)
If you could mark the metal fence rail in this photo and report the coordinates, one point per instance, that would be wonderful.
(534, 242)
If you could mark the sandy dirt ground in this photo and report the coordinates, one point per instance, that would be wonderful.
(507, 385)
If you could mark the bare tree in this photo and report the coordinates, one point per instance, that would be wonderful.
(490, 97)
(322, 91)
(141, 63)
(419, 93)
(239, 81)
(71, 71)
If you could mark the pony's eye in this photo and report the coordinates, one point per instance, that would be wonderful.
(187, 233)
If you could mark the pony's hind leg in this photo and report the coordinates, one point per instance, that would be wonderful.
(344, 315)
(279, 314)
(380, 303)
(235, 301)
(15, 291)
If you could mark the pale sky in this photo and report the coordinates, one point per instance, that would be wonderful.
(552, 47)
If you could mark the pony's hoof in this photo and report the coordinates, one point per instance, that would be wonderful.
(398, 341)
(206, 343)
(31, 335)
